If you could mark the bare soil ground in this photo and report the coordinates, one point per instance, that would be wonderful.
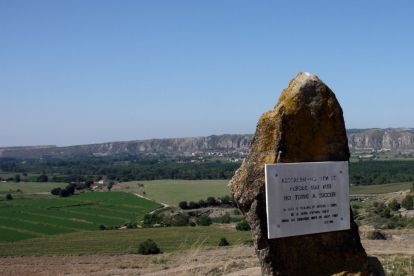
(234, 261)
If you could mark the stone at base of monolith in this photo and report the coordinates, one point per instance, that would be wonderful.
(306, 125)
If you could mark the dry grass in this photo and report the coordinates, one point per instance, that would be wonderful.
(193, 262)
(396, 253)
(397, 258)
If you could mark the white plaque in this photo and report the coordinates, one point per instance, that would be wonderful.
(306, 198)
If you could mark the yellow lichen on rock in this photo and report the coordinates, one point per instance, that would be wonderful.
(306, 125)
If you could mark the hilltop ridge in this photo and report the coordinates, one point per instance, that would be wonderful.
(359, 140)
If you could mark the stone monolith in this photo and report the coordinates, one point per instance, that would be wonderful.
(306, 125)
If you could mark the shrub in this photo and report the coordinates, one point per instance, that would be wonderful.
(102, 227)
(148, 247)
(192, 224)
(390, 224)
(110, 185)
(180, 220)
(204, 221)
(226, 218)
(236, 212)
(63, 193)
(202, 203)
(193, 205)
(225, 200)
(70, 189)
(150, 219)
(394, 205)
(355, 212)
(408, 202)
(55, 191)
(211, 201)
(223, 242)
(183, 205)
(88, 184)
(243, 226)
(131, 225)
(9, 197)
(42, 178)
(380, 208)
(387, 213)
(376, 235)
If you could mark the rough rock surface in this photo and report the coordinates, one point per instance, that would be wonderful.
(306, 125)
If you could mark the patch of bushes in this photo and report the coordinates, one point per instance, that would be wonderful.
(394, 205)
(243, 226)
(150, 219)
(223, 242)
(9, 197)
(181, 220)
(399, 222)
(204, 221)
(236, 212)
(67, 191)
(112, 227)
(148, 247)
(210, 201)
(131, 225)
(376, 235)
(226, 218)
(183, 205)
(408, 202)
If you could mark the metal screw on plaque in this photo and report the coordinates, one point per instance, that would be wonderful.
(276, 175)
(342, 218)
(340, 171)
(278, 226)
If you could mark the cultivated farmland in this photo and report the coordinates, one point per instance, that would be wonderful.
(24, 218)
(169, 239)
(174, 191)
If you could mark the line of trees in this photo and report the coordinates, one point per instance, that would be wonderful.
(211, 201)
(140, 167)
(78, 169)
(381, 172)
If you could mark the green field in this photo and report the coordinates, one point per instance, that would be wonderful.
(380, 189)
(30, 187)
(174, 191)
(169, 239)
(28, 218)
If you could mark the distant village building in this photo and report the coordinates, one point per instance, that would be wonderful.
(366, 156)
(104, 182)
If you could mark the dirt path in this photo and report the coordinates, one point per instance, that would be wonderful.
(163, 204)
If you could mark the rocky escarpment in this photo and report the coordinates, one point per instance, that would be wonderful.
(395, 140)
(172, 145)
(382, 140)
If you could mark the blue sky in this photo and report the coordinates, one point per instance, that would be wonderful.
(83, 72)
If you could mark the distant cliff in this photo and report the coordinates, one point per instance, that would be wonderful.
(395, 140)
(224, 142)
